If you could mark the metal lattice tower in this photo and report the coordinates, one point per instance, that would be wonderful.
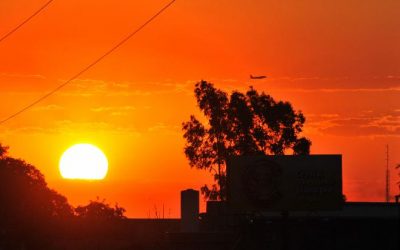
(387, 175)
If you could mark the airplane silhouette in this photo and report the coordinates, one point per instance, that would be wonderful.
(257, 77)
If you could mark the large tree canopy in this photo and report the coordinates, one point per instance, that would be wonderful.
(31, 212)
(24, 191)
(29, 208)
(239, 124)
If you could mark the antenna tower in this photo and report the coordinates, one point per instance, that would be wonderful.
(387, 175)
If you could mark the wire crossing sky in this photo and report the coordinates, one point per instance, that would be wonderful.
(129, 36)
(25, 21)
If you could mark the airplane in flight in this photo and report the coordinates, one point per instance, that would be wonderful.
(257, 77)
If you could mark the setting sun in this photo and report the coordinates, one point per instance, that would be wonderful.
(83, 161)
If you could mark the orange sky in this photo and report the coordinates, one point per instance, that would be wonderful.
(337, 61)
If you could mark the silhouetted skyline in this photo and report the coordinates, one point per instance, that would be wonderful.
(335, 61)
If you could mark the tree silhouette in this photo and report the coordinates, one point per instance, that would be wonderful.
(29, 208)
(32, 214)
(239, 124)
(98, 209)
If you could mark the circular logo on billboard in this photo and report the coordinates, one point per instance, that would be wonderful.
(262, 180)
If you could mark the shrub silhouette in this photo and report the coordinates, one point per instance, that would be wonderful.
(100, 210)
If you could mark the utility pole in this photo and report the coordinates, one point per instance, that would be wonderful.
(387, 175)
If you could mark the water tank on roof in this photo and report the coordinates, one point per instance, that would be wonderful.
(189, 210)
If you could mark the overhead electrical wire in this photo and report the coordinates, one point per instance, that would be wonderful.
(89, 66)
(25, 21)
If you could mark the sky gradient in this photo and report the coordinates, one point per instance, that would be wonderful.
(337, 61)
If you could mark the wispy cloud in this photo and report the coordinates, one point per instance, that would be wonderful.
(113, 108)
(364, 124)
(332, 83)
(71, 127)
(50, 107)
(18, 75)
(164, 128)
(93, 87)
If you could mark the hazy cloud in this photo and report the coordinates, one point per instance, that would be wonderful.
(113, 109)
(50, 107)
(334, 83)
(17, 75)
(71, 127)
(162, 127)
(365, 124)
(93, 87)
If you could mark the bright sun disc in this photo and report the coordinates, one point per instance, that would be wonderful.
(83, 161)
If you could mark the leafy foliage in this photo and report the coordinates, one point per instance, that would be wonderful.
(98, 209)
(239, 124)
(24, 191)
(31, 212)
(29, 208)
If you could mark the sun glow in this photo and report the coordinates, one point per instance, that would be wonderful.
(83, 161)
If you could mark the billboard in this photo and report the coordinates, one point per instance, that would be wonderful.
(284, 183)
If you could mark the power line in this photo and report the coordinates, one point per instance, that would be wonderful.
(89, 66)
(25, 21)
